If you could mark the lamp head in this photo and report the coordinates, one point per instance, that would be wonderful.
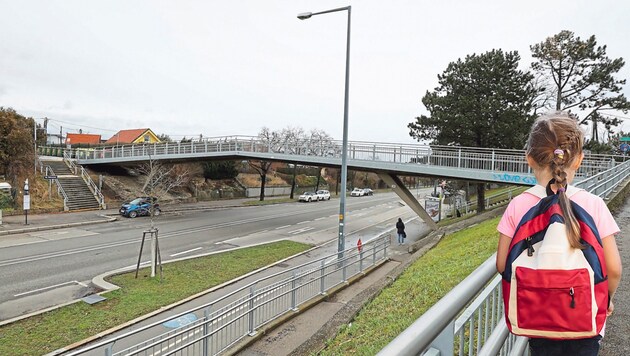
(305, 15)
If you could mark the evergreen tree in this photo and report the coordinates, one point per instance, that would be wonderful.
(582, 77)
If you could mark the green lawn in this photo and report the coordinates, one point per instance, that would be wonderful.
(61, 327)
(416, 290)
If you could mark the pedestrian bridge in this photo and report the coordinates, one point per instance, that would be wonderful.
(464, 163)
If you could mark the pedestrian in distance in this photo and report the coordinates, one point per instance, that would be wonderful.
(557, 254)
(400, 229)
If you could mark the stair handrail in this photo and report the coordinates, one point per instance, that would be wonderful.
(79, 170)
(97, 192)
(59, 188)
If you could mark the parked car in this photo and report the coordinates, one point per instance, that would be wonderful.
(357, 192)
(140, 207)
(308, 197)
(323, 194)
(368, 191)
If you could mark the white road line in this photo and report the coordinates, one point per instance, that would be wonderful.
(303, 222)
(322, 218)
(51, 287)
(299, 231)
(282, 227)
(184, 252)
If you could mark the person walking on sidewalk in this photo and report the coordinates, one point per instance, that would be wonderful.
(400, 229)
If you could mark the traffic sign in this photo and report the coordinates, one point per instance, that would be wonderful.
(50, 177)
(624, 147)
(625, 139)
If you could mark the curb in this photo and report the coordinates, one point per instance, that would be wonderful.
(60, 226)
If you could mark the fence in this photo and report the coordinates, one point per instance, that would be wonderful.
(469, 319)
(218, 325)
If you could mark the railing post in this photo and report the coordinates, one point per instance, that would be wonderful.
(192, 146)
(252, 291)
(492, 160)
(179, 146)
(344, 271)
(374, 152)
(206, 146)
(293, 291)
(108, 350)
(459, 158)
(206, 316)
(322, 284)
(374, 253)
(133, 147)
(394, 154)
(361, 260)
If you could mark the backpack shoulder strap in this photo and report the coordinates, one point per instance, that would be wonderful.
(541, 192)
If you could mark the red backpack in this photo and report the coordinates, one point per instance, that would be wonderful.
(551, 290)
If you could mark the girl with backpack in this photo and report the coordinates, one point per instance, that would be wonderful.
(557, 252)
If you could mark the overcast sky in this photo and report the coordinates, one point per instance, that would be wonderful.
(186, 68)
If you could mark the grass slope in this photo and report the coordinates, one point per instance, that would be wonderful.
(416, 290)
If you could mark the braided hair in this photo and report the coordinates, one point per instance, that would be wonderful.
(555, 141)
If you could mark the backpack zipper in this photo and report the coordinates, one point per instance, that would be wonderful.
(572, 294)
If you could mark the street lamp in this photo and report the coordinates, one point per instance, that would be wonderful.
(341, 245)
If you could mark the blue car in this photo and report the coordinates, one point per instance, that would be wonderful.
(140, 207)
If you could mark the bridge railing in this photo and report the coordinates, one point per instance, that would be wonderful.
(487, 159)
(477, 301)
(225, 321)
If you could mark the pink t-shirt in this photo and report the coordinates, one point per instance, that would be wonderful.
(593, 205)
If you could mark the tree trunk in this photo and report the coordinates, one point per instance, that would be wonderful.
(481, 197)
(263, 180)
(293, 180)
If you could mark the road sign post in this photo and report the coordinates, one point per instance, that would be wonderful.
(26, 202)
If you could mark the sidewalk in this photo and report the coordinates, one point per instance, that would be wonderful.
(15, 224)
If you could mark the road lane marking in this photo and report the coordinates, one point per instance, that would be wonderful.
(50, 287)
(282, 227)
(299, 231)
(184, 252)
(322, 218)
(303, 222)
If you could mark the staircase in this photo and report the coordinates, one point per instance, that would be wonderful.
(79, 195)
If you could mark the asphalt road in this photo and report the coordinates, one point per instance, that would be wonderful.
(49, 267)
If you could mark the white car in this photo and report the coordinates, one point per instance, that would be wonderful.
(308, 197)
(357, 192)
(323, 194)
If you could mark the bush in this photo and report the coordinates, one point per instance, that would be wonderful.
(6, 201)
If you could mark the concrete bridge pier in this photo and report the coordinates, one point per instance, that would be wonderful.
(399, 188)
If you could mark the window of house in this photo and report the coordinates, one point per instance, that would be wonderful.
(147, 138)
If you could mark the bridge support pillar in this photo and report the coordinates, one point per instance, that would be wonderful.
(399, 188)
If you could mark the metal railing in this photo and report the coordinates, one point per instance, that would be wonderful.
(79, 170)
(470, 318)
(502, 161)
(60, 191)
(218, 325)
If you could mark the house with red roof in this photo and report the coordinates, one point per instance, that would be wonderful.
(125, 137)
(81, 138)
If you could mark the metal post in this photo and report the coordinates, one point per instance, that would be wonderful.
(361, 260)
(293, 291)
(322, 277)
(206, 316)
(252, 332)
(341, 243)
(344, 271)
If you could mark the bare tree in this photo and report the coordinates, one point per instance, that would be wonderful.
(159, 180)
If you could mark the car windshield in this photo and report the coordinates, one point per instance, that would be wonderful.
(308, 193)
(136, 201)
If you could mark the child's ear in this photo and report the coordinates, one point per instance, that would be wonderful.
(577, 162)
(531, 162)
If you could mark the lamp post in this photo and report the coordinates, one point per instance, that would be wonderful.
(344, 150)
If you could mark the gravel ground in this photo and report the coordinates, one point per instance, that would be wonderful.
(617, 340)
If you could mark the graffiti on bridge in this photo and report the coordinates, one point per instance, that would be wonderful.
(515, 178)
